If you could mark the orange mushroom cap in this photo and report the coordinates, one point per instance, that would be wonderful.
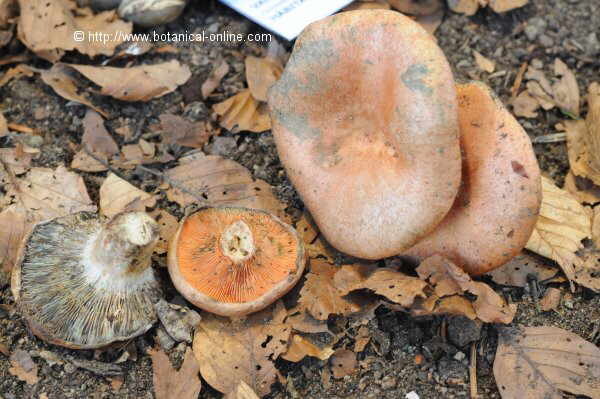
(235, 261)
(498, 204)
(365, 122)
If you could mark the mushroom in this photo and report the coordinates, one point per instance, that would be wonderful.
(234, 261)
(365, 121)
(498, 204)
(83, 283)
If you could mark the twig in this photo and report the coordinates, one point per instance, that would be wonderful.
(473, 371)
(550, 138)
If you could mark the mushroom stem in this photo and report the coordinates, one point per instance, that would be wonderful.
(125, 244)
(237, 242)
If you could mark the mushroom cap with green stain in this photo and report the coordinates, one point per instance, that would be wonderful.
(366, 125)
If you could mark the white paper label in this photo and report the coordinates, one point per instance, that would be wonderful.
(287, 18)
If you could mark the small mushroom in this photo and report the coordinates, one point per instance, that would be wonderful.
(148, 13)
(365, 121)
(235, 261)
(83, 283)
(498, 204)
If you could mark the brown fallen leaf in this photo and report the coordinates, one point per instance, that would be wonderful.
(501, 6)
(343, 363)
(136, 154)
(167, 226)
(551, 299)
(261, 74)
(543, 362)
(8, 10)
(525, 105)
(467, 7)
(46, 193)
(515, 271)
(416, 7)
(96, 139)
(242, 391)
(18, 161)
(243, 113)
(214, 181)
(23, 367)
(566, 91)
(176, 129)
(13, 227)
(320, 296)
(85, 162)
(561, 225)
(15, 73)
(582, 188)
(448, 279)
(581, 160)
(230, 351)
(300, 347)
(315, 244)
(170, 383)
(394, 285)
(302, 321)
(214, 79)
(138, 83)
(118, 195)
(362, 339)
(485, 64)
(3, 126)
(49, 28)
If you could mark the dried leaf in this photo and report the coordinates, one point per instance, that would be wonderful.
(580, 158)
(83, 161)
(485, 64)
(368, 5)
(167, 227)
(96, 139)
(243, 113)
(183, 132)
(13, 227)
(343, 363)
(416, 7)
(501, 6)
(139, 83)
(19, 162)
(320, 295)
(118, 195)
(551, 299)
(448, 279)
(515, 271)
(560, 227)
(23, 367)
(214, 79)
(362, 339)
(541, 362)
(3, 126)
(525, 105)
(300, 347)
(15, 73)
(215, 181)
(581, 188)
(543, 97)
(394, 285)
(566, 90)
(261, 74)
(47, 193)
(303, 322)
(467, 7)
(592, 121)
(49, 28)
(242, 350)
(242, 391)
(169, 383)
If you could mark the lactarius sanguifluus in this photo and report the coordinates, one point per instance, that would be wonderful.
(83, 282)
(498, 203)
(366, 124)
(235, 261)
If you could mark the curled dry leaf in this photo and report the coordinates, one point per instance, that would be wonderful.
(515, 271)
(448, 279)
(230, 351)
(542, 362)
(176, 129)
(118, 195)
(48, 29)
(23, 367)
(343, 363)
(243, 113)
(169, 383)
(565, 90)
(214, 79)
(485, 64)
(13, 227)
(320, 295)
(261, 74)
(301, 346)
(213, 180)
(392, 284)
(560, 227)
(551, 299)
(139, 83)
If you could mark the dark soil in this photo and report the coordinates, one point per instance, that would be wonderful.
(538, 32)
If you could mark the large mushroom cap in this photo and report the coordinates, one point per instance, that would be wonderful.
(365, 122)
(235, 261)
(497, 206)
(83, 283)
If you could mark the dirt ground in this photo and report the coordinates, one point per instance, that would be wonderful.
(538, 33)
